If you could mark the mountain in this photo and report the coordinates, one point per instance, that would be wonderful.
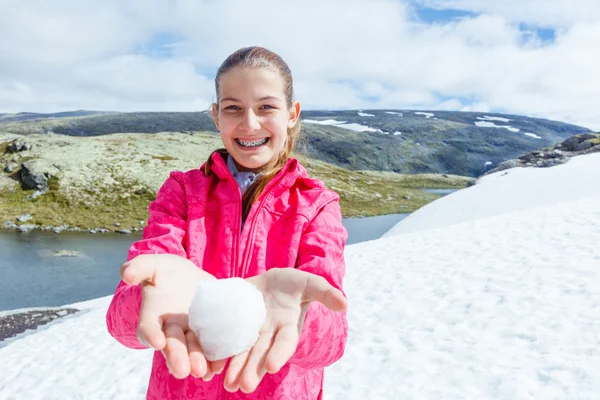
(405, 141)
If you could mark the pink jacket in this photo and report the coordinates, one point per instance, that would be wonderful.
(295, 223)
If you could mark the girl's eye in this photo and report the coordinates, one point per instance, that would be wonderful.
(232, 108)
(268, 107)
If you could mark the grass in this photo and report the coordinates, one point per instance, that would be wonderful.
(125, 199)
(368, 193)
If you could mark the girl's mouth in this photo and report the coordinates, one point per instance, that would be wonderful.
(251, 143)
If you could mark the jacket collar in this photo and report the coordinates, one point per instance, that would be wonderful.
(292, 171)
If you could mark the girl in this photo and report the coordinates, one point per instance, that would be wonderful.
(250, 211)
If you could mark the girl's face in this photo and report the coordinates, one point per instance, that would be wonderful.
(253, 116)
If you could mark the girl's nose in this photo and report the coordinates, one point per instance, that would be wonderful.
(250, 121)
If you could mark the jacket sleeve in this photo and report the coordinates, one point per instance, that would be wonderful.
(164, 233)
(321, 252)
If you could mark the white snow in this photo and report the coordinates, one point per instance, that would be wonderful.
(342, 124)
(394, 113)
(487, 118)
(486, 124)
(397, 133)
(226, 316)
(426, 114)
(488, 163)
(492, 292)
(323, 122)
(533, 135)
(362, 114)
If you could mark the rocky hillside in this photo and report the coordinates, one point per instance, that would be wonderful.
(402, 141)
(106, 182)
(560, 153)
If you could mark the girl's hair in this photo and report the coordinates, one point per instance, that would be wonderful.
(259, 57)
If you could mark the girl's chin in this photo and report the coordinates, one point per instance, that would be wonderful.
(253, 164)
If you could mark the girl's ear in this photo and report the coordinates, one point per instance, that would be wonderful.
(215, 114)
(294, 114)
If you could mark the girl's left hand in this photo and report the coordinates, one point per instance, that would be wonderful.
(287, 293)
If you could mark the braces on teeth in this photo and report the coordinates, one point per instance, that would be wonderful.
(252, 143)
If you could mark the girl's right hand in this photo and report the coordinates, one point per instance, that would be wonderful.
(168, 286)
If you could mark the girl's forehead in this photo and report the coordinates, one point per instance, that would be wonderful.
(250, 83)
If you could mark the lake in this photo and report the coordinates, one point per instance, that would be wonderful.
(31, 276)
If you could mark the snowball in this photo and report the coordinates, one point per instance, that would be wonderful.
(226, 316)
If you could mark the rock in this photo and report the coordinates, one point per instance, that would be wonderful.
(583, 146)
(57, 230)
(26, 227)
(125, 231)
(103, 230)
(32, 180)
(554, 154)
(24, 218)
(66, 253)
(142, 222)
(471, 182)
(34, 195)
(571, 143)
(10, 167)
(550, 162)
(117, 224)
(407, 197)
(17, 146)
(9, 225)
(91, 231)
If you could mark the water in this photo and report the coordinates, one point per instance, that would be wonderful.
(441, 192)
(31, 276)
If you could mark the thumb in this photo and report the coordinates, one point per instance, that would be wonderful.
(141, 268)
(318, 289)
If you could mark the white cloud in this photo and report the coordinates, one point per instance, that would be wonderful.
(543, 13)
(67, 55)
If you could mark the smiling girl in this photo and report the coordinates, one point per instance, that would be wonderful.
(250, 211)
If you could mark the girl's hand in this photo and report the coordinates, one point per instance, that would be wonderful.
(168, 286)
(287, 292)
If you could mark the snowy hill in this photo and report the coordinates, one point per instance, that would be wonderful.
(492, 292)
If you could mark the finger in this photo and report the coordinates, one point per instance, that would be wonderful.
(234, 372)
(176, 351)
(284, 347)
(255, 367)
(138, 270)
(218, 366)
(198, 364)
(150, 327)
(318, 289)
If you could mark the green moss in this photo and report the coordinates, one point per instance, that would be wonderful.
(595, 141)
(164, 158)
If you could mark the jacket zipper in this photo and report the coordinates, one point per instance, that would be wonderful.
(243, 268)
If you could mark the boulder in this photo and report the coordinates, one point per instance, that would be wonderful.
(583, 146)
(24, 218)
(17, 146)
(10, 167)
(33, 180)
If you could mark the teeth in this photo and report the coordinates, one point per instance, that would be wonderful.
(252, 143)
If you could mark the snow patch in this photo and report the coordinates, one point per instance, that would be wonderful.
(533, 135)
(488, 118)
(323, 122)
(362, 114)
(487, 124)
(426, 114)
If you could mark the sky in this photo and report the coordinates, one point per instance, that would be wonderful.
(530, 57)
(491, 292)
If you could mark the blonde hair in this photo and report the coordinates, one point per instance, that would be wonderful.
(259, 57)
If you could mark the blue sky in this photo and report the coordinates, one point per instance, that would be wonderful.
(528, 57)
